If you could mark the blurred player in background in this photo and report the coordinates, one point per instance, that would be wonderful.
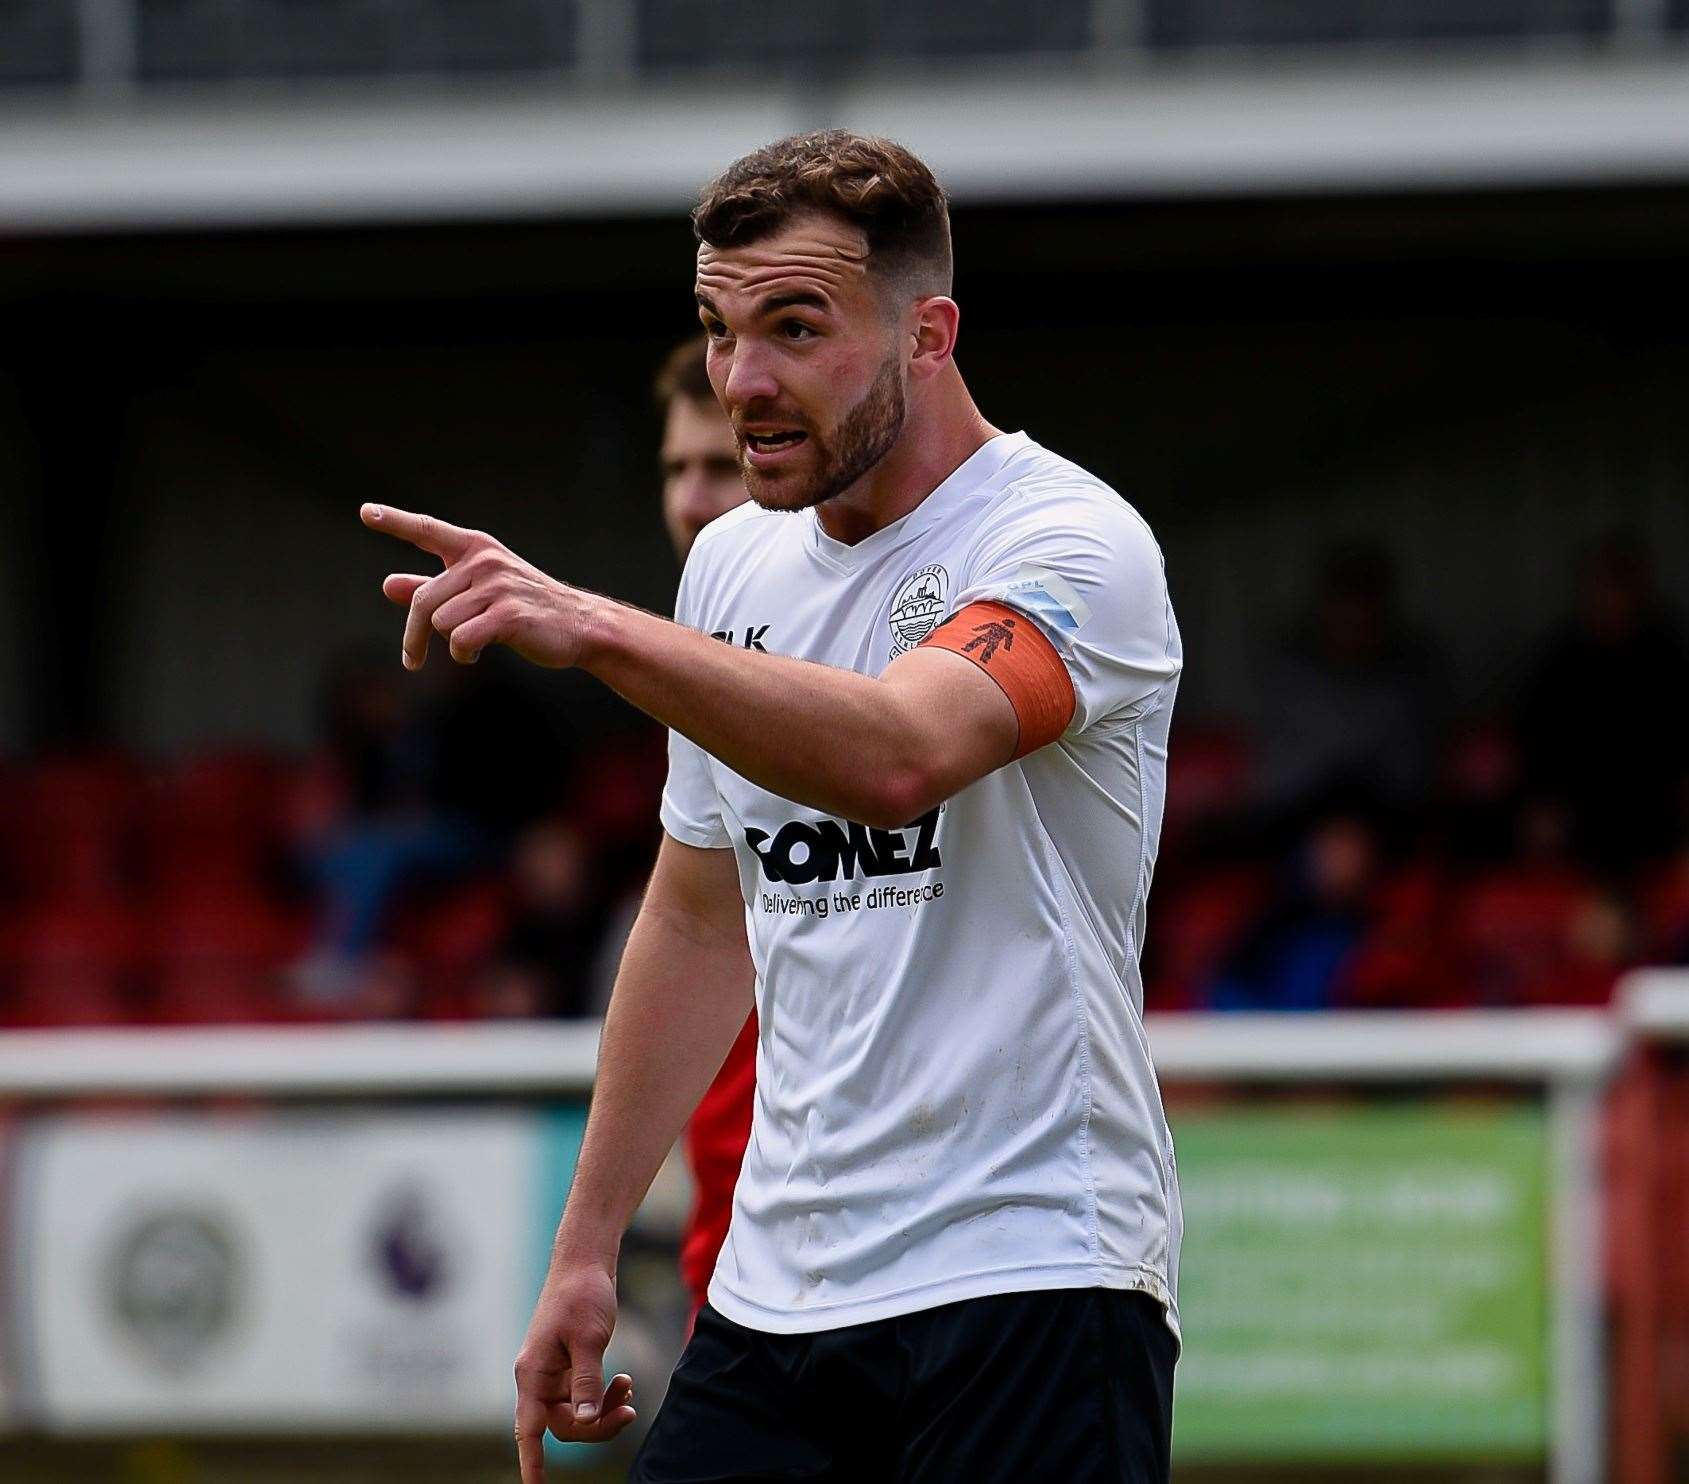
(700, 457)
(701, 480)
(918, 698)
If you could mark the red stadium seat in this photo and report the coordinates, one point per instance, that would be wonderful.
(65, 824)
(1515, 931)
(219, 954)
(618, 785)
(1403, 962)
(214, 818)
(449, 938)
(1210, 775)
(1194, 928)
(70, 963)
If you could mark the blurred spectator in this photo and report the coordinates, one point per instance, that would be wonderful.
(1405, 961)
(1517, 928)
(1477, 805)
(378, 831)
(1599, 947)
(541, 966)
(1296, 957)
(1194, 927)
(499, 743)
(1604, 722)
(1348, 709)
(375, 758)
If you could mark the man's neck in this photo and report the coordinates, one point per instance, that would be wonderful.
(935, 442)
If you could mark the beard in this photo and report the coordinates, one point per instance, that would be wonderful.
(865, 435)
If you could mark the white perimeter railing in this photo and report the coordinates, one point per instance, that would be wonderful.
(558, 1058)
(1655, 1006)
(1568, 1055)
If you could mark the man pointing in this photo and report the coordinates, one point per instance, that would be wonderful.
(912, 809)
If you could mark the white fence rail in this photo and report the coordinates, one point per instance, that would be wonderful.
(524, 1059)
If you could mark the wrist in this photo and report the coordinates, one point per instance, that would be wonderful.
(599, 626)
(580, 1244)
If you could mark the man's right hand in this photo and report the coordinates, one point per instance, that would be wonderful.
(559, 1372)
(681, 997)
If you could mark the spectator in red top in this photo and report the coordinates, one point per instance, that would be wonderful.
(701, 481)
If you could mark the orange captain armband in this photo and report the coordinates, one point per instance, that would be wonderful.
(1014, 652)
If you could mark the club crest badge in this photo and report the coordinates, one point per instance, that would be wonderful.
(174, 1285)
(917, 606)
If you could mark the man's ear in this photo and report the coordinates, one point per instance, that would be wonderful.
(933, 325)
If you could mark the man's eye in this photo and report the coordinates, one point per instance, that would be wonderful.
(796, 329)
(715, 329)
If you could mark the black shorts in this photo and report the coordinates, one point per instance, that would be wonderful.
(1073, 1384)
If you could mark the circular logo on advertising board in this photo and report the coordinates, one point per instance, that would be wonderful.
(171, 1284)
(917, 606)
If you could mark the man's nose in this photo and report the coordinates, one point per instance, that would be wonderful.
(750, 377)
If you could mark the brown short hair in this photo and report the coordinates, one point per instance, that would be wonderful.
(873, 183)
(684, 373)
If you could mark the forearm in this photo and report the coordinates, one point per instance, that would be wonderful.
(843, 743)
(881, 750)
(681, 997)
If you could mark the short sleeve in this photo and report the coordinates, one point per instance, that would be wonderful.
(1081, 563)
(691, 807)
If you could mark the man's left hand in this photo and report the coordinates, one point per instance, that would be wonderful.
(486, 595)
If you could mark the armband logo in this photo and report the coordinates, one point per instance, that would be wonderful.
(917, 606)
(988, 637)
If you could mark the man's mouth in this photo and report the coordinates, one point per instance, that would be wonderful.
(774, 442)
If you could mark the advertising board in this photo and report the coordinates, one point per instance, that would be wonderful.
(355, 1271)
(1364, 1282)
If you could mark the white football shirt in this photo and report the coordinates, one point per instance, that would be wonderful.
(954, 1093)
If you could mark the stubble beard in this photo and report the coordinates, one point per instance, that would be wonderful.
(866, 435)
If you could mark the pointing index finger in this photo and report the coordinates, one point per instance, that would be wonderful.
(448, 542)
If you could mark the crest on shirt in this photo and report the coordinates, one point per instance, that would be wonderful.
(917, 606)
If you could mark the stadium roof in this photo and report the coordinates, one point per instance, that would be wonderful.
(371, 154)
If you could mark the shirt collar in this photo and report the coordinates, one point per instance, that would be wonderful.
(977, 469)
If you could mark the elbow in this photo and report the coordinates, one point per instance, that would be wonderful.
(900, 796)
